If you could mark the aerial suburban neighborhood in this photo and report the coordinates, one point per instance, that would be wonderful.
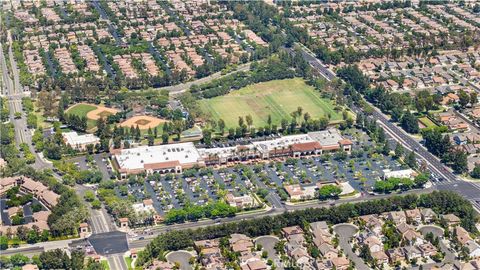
(250, 135)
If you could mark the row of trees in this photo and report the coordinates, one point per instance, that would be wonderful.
(440, 201)
(303, 124)
(196, 212)
(273, 68)
(395, 183)
(52, 259)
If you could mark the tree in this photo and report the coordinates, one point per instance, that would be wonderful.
(77, 259)
(165, 138)
(19, 260)
(249, 120)
(221, 125)
(207, 136)
(410, 123)
(386, 148)
(240, 121)
(89, 196)
(151, 140)
(476, 172)
(100, 127)
(138, 133)
(329, 191)
(54, 259)
(3, 242)
(421, 179)
(464, 98)
(399, 151)
(473, 98)
(411, 160)
(96, 204)
(457, 160)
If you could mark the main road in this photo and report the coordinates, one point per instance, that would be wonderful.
(100, 221)
(449, 181)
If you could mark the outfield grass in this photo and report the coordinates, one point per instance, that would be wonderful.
(277, 98)
(82, 110)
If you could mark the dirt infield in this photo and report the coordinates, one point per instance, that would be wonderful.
(101, 112)
(143, 121)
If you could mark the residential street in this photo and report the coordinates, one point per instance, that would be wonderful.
(346, 232)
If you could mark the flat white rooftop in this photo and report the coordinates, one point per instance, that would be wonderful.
(136, 158)
(282, 142)
(326, 137)
(72, 138)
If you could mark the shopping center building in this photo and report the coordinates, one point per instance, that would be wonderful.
(174, 158)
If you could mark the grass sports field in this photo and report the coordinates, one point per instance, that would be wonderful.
(92, 112)
(81, 109)
(276, 98)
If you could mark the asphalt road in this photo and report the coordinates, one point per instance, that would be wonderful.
(345, 232)
(117, 262)
(450, 180)
(100, 221)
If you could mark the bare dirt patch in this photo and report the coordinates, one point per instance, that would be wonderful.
(101, 112)
(143, 121)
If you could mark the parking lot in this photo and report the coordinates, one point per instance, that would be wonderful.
(95, 161)
(198, 186)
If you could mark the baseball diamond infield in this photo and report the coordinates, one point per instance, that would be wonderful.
(143, 121)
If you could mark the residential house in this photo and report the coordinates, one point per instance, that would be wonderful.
(428, 216)
(473, 249)
(293, 230)
(413, 215)
(373, 243)
(396, 255)
(462, 235)
(380, 257)
(255, 265)
(427, 249)
(451, 219)
(373, 223)
(340, 263)
(397, 217)
(240, 243)
(243, 201)
(412, 252)
(328, 251)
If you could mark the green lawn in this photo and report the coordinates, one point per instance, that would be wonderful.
(82, 110)
(105, 264)
(41, 119)
(129, 261)
(277, 98)
(426, 122)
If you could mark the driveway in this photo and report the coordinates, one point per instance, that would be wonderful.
(345, 232)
